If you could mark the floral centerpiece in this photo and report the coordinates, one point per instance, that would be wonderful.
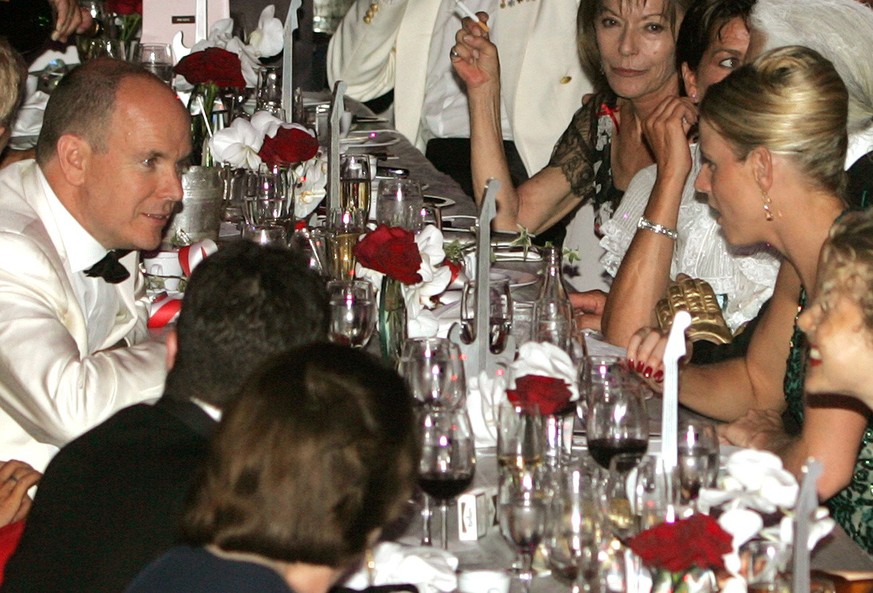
(123, 19)
(223, 64)
(411, 270)
(755, 501)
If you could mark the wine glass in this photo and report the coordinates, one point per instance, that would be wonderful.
(574, 524)
(618, 496)
(520, 437)
(657, 492)
(265, 234)
(523, 510)
(617, 421)
(499, 312)
(352, 312)
(100, 47)
(597, 370)
(157, 58)
(434, 371)
(698, 455)
(399, 203)
(448, 457)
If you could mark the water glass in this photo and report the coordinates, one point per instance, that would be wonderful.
(520, 437)
(499, 312)
(522, 321)
(618, 496)
(268, 96)
(344, 229)
(523, 512)
(265, 234)
(399, 203)
(434, 371)
(90, 48)
(574, 525)
(265, 197)
(698, 457)
(352, 312)
(355, 182)
(657, 492)
(157, 58)
(766, 565)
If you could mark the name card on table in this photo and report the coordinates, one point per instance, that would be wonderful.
(163, 19)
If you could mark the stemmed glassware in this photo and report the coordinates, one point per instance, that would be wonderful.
(344, 229)
(617, 421)
(434, 371)
(523, 510)
(157, 58)
(618, 496)
(499, 312)
(352, 312)
(698, 457)
(520, 437)
(399, 203)
(575, 524)
(448, 458)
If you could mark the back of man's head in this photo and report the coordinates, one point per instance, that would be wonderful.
(83, 103)
(242, 305)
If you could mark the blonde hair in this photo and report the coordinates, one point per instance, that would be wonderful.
(840, 30)
(847, 261)
(13, 74)
(790, 101)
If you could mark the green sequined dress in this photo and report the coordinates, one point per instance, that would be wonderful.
(852, 507)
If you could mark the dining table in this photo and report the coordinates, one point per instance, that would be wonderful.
(837, 555)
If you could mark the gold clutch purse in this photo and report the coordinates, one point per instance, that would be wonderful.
(697, 297)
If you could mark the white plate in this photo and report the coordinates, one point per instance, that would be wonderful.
(438, 201)
(517, 278)
(369, 141)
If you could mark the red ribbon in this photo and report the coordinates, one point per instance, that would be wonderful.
(164, 310)
(612, 113)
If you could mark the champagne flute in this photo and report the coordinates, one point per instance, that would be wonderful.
(523, 512)
(617, 422)
(344, 230)
(448, 458)
(355, 183)
(352, 312)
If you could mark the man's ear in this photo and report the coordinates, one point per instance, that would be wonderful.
(689, 78)
(171, 340)
(73, 154)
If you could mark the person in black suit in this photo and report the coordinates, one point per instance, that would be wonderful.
(110, 501)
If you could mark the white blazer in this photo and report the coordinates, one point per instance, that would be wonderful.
(53, 389)
(543, 82)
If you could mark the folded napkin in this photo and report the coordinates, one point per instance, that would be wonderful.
(430, 569)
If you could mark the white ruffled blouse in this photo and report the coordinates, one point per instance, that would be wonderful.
(742, 279)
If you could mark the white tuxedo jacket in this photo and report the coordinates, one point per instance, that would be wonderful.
(52, 388)
(542, 79)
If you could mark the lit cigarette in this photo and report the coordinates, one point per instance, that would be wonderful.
(465, 11)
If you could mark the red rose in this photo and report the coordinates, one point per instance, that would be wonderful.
(291, 144)
(454, 266)
(123, 6)
(392, 251)
(696, 541)
(550, 394)
(215, 65)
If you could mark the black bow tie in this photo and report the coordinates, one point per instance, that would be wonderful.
(109, 269)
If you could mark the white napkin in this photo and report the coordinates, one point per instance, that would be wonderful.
(546, 360)
(430, 569)
(484, 394)
(755, 480)
(28, 122)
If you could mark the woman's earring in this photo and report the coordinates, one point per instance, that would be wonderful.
(767, 204)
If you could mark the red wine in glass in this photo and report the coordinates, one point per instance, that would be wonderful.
(603, 450)
(444, 486)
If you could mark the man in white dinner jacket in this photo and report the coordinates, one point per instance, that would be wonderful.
(74, 346)
(404, 45)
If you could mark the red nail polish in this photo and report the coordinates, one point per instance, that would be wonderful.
(640, 366)
(629, 363)
(648, 372)
(659, 376)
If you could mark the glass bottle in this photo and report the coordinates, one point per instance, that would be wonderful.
(553, 314)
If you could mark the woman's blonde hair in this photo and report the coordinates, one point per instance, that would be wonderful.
(790, 101)
(586, 36)
(847, 260)
(13, 74)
